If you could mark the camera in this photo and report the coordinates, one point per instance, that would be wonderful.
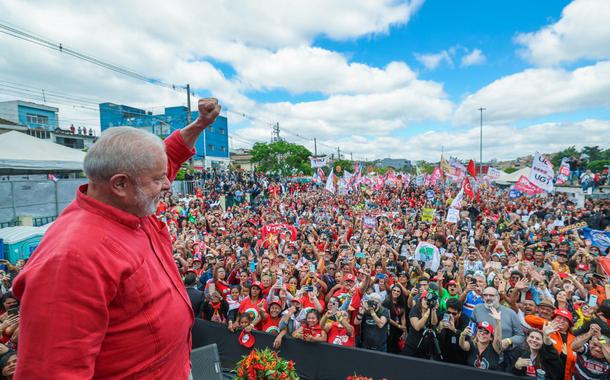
(432, 299)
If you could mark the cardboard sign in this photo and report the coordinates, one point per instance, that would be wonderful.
(427, 214)
(571, 227)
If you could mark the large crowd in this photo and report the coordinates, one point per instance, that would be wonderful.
(516, 287)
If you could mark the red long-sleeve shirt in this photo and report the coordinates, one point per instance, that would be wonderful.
(101, 297)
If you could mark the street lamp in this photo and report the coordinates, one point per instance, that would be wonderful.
(481, 144)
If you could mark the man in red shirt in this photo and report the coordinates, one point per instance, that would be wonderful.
(101, 297)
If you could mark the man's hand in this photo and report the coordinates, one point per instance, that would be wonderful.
(209, 109)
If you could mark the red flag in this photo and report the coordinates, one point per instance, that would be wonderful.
(468, 188)
(472, 170)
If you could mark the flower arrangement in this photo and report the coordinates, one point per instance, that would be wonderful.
(265, 364)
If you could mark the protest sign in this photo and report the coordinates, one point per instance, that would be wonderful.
(369, 222)
(526, 186)
(542, 173)
(453, 215)
(600, 239)
(317, 162)
(429, 254)
(493, 173)
(427, 214)
(514, 193)
(564, 171)
(571, 227)
(430, 194)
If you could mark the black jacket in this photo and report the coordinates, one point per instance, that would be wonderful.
(196, 297)
(448, 342)
(548, 359)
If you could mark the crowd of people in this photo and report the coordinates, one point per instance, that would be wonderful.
(516, 289)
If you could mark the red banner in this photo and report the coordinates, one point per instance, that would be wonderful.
(526, 186)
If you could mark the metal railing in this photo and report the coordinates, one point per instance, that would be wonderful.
(37, 222)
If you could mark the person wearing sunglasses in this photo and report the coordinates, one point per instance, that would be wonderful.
(451, 326)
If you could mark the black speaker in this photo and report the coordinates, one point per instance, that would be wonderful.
(205, 363)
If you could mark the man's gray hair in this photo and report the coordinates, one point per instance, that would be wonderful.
(122, 150)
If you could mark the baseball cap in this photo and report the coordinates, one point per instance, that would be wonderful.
(349, 277)
(563, 313)
(582, 267)
(487, 326)
(451, 282)
(257, 284)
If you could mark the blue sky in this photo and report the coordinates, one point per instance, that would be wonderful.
(379, 78)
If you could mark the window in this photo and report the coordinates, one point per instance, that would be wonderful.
(211, 129)
(210, 146)
(221, 131)
(41, 134)
(36, 119)
(223, 148)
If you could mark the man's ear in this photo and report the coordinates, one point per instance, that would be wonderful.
(120, 184)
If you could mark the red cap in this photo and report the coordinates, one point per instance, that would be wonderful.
(451, 282)
(563, 313)
(487, 326)
(563, 275)
(349, 277)
(246, 339)
(258, 284)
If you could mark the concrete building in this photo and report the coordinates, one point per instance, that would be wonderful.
(212, 146)
(241, 159)
(42, 121)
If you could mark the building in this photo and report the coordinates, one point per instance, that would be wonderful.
(241, 159)
(42, 121)
(212, 146)
(396, 163)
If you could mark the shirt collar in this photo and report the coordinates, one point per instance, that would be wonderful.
(94, 206)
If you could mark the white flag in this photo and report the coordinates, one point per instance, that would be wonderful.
(330, 185)
(493, 173)
(457, 201)
(542, 173)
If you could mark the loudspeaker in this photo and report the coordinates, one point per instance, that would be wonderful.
(205, 363)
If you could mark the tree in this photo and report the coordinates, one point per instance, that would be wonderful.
(425, 167)
(282, 158)
(598, 165)
(593, 152)
(569, 152)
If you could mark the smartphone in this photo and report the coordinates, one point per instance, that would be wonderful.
(13, 310)
(312, 268)
(446, 317)
(309, 288)
(280, 281)
(473, 328)
(592, 300)
(252, 266)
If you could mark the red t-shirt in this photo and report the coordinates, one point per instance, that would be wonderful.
(247, 306)
(271, 325)
(338, 335)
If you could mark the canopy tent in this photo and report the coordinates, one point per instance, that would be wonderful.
(21, 153)
(509, 179)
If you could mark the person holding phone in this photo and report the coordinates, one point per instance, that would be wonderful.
(483, 349)
(537, 352)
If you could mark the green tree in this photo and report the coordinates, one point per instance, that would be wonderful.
(425, 167)
(593, 152)
(282, 158)
(569, 152)
(598, 165)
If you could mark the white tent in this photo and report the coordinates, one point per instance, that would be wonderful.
(21, 152)
(509, 179)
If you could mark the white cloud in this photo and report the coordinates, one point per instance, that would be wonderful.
(538, 92)
(583, 31)
(475, 57)
(432, 61)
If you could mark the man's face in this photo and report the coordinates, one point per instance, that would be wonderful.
(546, 312)
(538, 257)
(529, 307)
(489, 297)
(149, 186)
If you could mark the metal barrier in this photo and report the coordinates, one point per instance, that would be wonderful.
(44, 220)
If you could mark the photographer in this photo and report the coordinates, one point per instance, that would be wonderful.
(421, 318)
(373, 319)
(450, 329)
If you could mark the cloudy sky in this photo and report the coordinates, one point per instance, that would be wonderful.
(379, 78)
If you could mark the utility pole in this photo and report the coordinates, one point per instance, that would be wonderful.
(276, 132)
(481, 144)
(315, 147)
(351, 157)
(338, 153)
(188, 104)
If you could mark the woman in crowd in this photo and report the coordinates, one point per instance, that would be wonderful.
(537, 353)
(421, 318)
(485, 348)
(311, 331)
(397, 305)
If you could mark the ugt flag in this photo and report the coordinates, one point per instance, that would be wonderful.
(600, 239)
